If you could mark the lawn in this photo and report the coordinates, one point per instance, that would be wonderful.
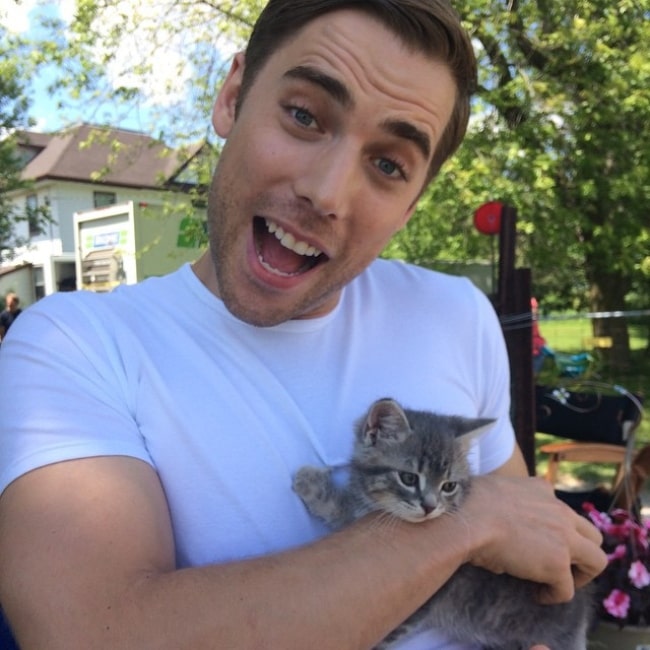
(569, 336)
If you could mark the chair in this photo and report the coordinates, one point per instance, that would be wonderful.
(599, 422)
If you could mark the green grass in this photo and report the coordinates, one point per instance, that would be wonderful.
(569, 336)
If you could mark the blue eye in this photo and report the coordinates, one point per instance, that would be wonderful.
(302, 116)
(387, 166)
(390, 167)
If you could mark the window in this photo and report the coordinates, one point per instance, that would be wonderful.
(102, 199)
(33, 215)
(39, 282)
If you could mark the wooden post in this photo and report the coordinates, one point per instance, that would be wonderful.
(512, 303)
(520, 352)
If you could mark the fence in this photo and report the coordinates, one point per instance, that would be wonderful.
(574, 332)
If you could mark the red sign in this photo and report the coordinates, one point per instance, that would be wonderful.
(487, 219)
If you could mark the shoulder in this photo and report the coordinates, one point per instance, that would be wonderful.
(91, 315)
(64, 309)
(410, 287)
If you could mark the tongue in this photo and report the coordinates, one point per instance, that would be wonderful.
(280, 258)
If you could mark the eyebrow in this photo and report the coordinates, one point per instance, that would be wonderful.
(339, 92)
(332, 86)
(408, 131)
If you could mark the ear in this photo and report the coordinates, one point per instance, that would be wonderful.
(385, 420)
(223, 113)
(471, 428)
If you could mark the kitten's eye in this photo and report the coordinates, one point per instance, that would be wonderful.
(408, 479)
(449, 487)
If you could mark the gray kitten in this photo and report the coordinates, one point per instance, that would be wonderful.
(413, 465)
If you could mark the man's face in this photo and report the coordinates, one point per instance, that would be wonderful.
(323, 164)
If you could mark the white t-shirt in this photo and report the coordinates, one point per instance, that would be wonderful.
(227, 412)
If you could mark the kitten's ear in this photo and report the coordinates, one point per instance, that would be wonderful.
(385, 420)
(472, 428)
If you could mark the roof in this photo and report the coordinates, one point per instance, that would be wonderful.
(103, 155)
(8, 270)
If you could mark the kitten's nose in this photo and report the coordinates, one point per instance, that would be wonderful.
(428, 509)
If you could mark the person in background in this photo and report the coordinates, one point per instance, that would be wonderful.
(147, 453)
(11, 311)
(540, 348)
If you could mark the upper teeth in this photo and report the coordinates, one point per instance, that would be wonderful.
(289, 241)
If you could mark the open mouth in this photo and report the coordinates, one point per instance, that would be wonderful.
(279, 252)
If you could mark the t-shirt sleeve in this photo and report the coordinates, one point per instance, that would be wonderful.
(65, 394)
(497, 443)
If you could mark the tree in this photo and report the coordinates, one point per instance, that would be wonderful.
(13, 115)
(577, 96)
(560, 132)
(158, 61)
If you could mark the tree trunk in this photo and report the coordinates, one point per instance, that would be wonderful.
(607, 294)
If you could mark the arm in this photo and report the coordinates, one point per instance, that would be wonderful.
(95, 534)
(514, 466)
(87, 560)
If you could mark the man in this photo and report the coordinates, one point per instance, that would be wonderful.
(10, 313)
(147, 476)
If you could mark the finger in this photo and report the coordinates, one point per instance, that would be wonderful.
(589, 559)
(588, 530)
(589, 567)
(561, 591)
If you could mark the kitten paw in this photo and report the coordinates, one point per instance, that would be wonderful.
(311, 484)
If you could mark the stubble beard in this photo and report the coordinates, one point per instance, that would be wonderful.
(222, 235)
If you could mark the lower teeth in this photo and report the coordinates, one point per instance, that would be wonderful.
(272, 269)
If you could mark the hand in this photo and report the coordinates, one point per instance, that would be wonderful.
(521, 528)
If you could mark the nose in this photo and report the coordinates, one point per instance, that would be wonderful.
(329, 178)
(428, 505)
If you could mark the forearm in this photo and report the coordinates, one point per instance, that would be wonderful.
(347, 591)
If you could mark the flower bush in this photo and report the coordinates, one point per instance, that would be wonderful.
(624, 586)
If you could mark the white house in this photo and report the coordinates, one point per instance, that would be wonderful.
(83, 168)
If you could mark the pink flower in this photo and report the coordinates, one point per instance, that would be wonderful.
(621, 530)
(626, 580)
(617, 603)
(620, 513)
(641, 536)
(619, 552)
(638, 575)
(599, 519)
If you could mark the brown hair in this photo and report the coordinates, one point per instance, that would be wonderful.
(428, 26)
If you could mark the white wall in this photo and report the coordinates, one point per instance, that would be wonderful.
(57, 242)
(19, 281)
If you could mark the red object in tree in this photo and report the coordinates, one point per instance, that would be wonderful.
(487, 218)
